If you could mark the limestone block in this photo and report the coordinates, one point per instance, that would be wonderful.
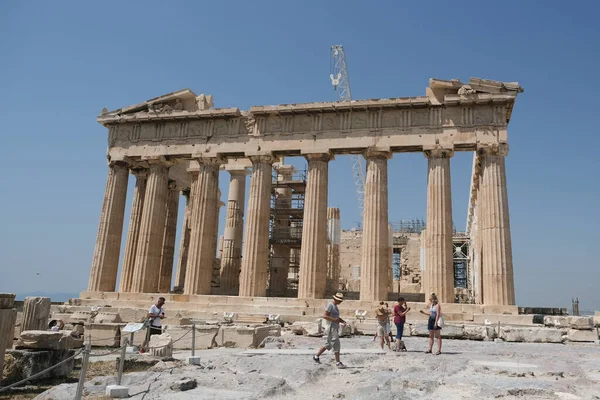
(313, 329)
(298, 327)
(478, 332)
(7, 300)
(107, 317)
(418, 329)
(21, 364)
(242, 336)
(410, 287)
(81, 316)
(453, 331)
(531, 335)
(35, 313)
(47, 340)
(161, 345)
(503, 319)
(117, 391)
(205, 336)
(581, 323)
(596, 319)
(108, 335)
(133, 314)
(345, 330)
(577, 335)
(184, 384)
(506, 310)
(556, 321)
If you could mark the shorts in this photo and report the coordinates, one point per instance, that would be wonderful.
(431, 324)
(388, 328)
(332, 338)
(381, 330)
(154, 330)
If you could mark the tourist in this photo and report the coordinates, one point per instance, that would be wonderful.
(435, 313)
(332, 326)
(382, 320)
(52, 325)
(400, 311)
(155, 314)
(388, 326)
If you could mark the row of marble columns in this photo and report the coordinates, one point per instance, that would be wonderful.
(148, 259)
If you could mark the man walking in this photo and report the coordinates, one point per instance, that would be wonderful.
(155, 314)
(332, 326)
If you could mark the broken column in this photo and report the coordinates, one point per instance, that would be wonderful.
(313, 253)
(253, 276)
(184, 243)
(105, 264)
(35, 314)
(133, 233)
(280, 258)
(334, 234)
(494, 228)
(234, 230)
(440, 266)
(375, 252)
(168, 244)
(7, 325)
(203, 244)
(148, 253)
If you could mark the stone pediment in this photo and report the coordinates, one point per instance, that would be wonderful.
(182, 101)
(443, 91)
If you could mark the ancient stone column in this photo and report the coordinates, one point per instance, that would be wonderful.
(184, 242)
(334, 236)
(35, 314)
(440, 267)
(280, 258)
(7, 325)
(133, 233)
(313, 253)
(390, 258)
(168, 244)
(253, 276)
(203, 244)
(148, 253)
(375, 248)
(494, 227)
(103, 276)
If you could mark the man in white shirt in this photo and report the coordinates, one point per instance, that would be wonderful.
(155, 314)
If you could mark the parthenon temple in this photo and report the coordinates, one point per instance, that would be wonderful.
(281, 239)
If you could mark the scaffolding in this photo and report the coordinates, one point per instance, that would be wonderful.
(285, 230)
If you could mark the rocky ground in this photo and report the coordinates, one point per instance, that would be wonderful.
(465, 370)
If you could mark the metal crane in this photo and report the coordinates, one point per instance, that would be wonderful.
(339, 79)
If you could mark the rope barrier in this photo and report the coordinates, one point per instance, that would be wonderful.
(110, 352)
(4, 388)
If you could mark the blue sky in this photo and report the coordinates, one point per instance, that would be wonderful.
(62, 62)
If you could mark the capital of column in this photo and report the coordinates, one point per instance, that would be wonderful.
(160, 161)
(211, 160)
(493, 149)
(186, 192)
(438, 152)
(373, 153)
(172, 185)
(117, 164)
(263, 158)
(139, 172)
(326, 156)
(238, 171)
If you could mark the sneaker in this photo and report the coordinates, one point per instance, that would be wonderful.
(142, 351)
(340, 365)
(316, 359)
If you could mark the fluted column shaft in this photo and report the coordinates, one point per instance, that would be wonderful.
(203, 244)
(334, 232)
(184, 242)
(133, 232)
(105, 264)
(375, 248)
(253, 276)
(148, 254)
(440, 267)
(494, 227)
(168, 245)
(313, 253)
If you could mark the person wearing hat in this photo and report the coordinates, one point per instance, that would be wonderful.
(382, 313)
(332, 326)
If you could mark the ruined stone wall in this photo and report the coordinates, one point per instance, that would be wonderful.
(409, 245)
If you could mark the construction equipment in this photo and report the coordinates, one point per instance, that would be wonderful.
(339, 79)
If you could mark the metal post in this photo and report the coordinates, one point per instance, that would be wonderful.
(122, 362)
(193, 338)
(84, 363)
